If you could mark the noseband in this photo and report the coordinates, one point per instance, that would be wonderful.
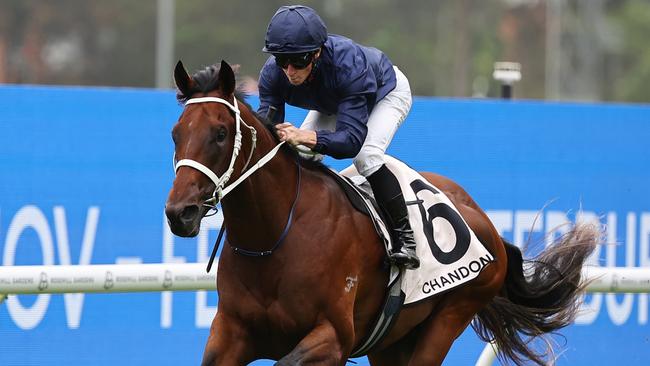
(221, 190)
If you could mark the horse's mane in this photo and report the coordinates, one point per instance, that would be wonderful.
(207, 80)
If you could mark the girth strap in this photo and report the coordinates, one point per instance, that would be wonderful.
(390, 311)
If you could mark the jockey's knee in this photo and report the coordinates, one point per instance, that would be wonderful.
(369, 160)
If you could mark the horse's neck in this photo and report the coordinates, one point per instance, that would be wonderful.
(256, 212)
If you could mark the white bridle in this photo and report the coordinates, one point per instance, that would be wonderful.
(221, 190)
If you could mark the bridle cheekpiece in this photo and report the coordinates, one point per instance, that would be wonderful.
(221, 190)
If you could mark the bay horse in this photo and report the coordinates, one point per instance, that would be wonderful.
(285, 288)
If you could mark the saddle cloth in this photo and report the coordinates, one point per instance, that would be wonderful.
(449, 251)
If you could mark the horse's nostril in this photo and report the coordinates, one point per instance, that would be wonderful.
(189, 213)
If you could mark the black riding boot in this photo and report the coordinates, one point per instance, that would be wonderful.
(390, 199)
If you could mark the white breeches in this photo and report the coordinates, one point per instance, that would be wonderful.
(384, 120)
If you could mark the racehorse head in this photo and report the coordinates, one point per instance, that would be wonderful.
(207, 139)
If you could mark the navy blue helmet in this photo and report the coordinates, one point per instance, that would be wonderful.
(295, 29)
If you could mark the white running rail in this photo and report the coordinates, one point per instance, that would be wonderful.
(15, 280)
(97, 278)
(107, 278)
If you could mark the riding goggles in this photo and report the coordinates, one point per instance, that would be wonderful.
(297, 60)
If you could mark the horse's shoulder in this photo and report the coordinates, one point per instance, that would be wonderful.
(325, 180)
(329, 185)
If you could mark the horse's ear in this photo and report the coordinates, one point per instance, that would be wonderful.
(182, 79)
(226, 79)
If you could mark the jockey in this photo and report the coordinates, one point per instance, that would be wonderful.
(357, 100)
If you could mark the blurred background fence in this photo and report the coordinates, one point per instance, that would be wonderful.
(595, 50)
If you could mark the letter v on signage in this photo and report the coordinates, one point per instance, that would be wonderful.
(74, 302)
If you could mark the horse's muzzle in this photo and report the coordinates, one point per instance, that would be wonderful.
(184, 220)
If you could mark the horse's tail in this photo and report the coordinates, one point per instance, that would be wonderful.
(542, 300)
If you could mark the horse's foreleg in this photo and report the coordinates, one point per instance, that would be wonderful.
(228, 343)
(320, 347)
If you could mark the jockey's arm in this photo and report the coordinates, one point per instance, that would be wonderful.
(351, 129)
(295, 136)
(342, 143)
(269, 97)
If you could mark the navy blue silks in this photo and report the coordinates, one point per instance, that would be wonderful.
(348, 80)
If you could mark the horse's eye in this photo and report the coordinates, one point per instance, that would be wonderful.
(221, 134)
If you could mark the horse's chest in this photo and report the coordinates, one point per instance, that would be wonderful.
(277, 323)
(280, 311)
(286, 309)
(284, 305)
